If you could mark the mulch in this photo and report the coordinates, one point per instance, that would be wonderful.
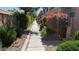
(17, 45)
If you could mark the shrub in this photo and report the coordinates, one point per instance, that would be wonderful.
(19, 31)
(7, 35)
(22, 21)
(69, 46)
(77, 35)
(44, 32)
(30, 20)
(51, 31)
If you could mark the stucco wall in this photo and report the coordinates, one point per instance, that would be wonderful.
(76, 21)
(7, 20)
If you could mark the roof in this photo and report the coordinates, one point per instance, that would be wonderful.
(5, 12)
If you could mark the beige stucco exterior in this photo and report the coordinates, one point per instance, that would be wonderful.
(76, 20)
(6, 19)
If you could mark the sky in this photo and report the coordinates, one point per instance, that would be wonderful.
(9, 8)
(16, 8)
(39, 11)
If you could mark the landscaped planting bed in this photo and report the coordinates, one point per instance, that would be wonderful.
(2, 48)
(0, 45)
(17, 45)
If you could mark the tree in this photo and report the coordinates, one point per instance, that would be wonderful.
(29, 9)
(26, 9)
(56, 21)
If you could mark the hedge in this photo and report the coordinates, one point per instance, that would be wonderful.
(22, 22)
(77, 35)
(7, 36)
(69, 46)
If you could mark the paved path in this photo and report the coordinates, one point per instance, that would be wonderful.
(35, 43)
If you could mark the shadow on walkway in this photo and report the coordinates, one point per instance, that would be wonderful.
(52, 42)
(36, 33)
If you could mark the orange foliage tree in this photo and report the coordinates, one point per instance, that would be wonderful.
(56, 21)
(55, 15)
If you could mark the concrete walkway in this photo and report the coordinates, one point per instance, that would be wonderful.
(35, 43)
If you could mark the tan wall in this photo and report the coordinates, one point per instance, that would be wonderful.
(7, 20)
(76, 21)
(1, 20)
